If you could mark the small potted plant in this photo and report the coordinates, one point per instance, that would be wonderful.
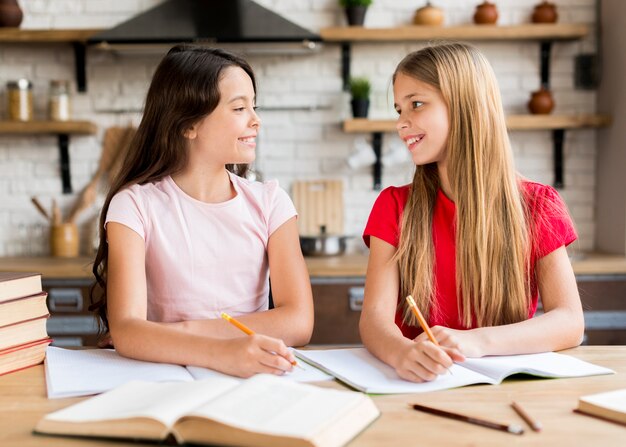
(355, 10)
(360, 88)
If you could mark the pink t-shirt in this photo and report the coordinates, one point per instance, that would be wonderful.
(204, 258)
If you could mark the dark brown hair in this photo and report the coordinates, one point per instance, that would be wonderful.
(184, 90)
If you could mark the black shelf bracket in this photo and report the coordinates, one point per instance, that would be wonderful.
(377, 168)
(80, 61)
(558, 136)
(544, 62)
(345, 64)
(64, 160)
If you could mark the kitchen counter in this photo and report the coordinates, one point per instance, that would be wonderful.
(337, 266)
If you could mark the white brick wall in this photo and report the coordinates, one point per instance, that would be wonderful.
(294, 143)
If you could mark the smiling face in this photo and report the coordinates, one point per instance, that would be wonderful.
(423, 123)
(228, 134)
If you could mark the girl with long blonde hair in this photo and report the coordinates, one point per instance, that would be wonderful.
(473, 242)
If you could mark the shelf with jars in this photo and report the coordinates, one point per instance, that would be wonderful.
(76, 37)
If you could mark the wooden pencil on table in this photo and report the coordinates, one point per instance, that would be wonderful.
(510, 428)
(532, 422)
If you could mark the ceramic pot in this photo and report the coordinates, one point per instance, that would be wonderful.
(64, 242)
(545, 12)
(428, 15)
(541, 102)
(10, 13)
(486, 14)
(356, 15)
(360, 107)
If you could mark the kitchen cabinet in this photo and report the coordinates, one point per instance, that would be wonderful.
(338, 303)
(71, 323)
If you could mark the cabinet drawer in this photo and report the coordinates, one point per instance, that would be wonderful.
(338, 303)
(604, 303)
(71, 323)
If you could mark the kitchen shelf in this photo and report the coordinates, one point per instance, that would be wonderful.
(545, 33)
(63, 129)
(513, 122)
(529, 31)
(48, 127)
(556, 123)
(76, 37)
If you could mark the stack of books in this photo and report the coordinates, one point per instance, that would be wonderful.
(23, 316)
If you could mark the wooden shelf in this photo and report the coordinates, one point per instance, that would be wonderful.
(13, 35)
(62, 129)
(48, 127)
(514, 122)
(529, 31)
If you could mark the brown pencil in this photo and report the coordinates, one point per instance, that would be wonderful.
(510, 428)
(534, 424)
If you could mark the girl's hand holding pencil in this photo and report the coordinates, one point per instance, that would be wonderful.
(424, 359)
(259, 353)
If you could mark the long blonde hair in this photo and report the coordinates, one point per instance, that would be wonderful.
(492, 238)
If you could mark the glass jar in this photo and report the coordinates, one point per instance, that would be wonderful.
(20, 100)
(59, 101)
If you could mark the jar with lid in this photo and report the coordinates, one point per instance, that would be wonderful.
(20, 100)
(59, 101)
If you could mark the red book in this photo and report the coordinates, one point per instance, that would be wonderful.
(17, 285)
(23, 356)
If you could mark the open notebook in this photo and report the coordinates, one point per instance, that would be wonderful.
(261, 411)
(71, 373)
(362, 371)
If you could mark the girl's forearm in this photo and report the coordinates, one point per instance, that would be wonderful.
(162, 342)
(552, 331)
(383, 339)
(290, 324)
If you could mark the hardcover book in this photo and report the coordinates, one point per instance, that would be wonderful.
(17, 285)
(23, 356)
(610, 405)
(261, 411)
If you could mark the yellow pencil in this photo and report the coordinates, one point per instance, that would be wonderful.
(421, 320)
(245, 329)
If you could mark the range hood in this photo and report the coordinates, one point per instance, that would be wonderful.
(206, 22)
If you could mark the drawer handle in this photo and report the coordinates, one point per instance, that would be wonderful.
(355, 298)
(65, 300)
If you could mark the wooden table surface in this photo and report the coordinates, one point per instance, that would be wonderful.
(551, 401)
(334, 266)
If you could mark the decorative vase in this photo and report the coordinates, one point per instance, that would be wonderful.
(486, 14)
(356, 15)
(428, 15)
(545, 12)
(10, 13)
(360, 107)
(541, 102)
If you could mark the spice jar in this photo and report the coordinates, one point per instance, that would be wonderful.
(20, 100)
(59, 101)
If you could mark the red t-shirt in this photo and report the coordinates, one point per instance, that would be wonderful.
(552, 225)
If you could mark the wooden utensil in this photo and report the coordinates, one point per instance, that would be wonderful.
(40, 207)
(114, 142)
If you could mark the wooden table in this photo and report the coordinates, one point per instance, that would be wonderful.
(23, 403)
